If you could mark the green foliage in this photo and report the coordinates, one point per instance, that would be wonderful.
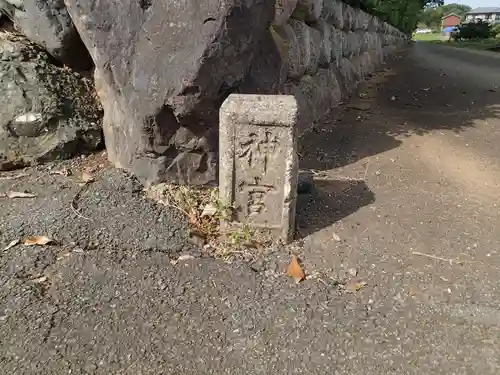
(432, 16)
(474, 30)
(495, 31)
(403, 14)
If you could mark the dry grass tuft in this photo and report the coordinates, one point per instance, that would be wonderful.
(192, 202)
(204, 211)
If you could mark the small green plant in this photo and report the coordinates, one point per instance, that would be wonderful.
(242, 236)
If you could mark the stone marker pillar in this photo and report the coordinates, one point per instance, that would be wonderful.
(258, 166)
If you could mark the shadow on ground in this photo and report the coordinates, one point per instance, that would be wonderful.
(408, 97)
(328, 202)
(405, 98)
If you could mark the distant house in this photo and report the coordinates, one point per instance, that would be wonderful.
(450, 20)
(489, 14)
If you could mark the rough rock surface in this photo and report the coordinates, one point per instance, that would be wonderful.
(305, 103)
(267, 74)
(332, 12)
(308, 10)
(284, 9)
(161, 93)
(46, 112)
(348, 75)
(48, 23)
(326, 31)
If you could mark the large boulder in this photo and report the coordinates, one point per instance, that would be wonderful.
(348, 77)
(305, 103)
(333, 14)
(304, 50)
(46, 112)
(351, 44)
(268, 71)
(337, 45)
(326, 31)
(163, 69)
(308, 10)
(48, 23)
(283, 11)
(298, 54)
(348, 15)
(323, 90)
(316, 96)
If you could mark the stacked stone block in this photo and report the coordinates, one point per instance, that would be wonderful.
(331, 47)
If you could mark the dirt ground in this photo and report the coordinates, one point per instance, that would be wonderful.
(399, 239)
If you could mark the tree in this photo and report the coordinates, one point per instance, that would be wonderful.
(403, 14)
(431, 16)
(458, 9)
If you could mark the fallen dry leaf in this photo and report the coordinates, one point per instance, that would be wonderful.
(295, 270)
(87, 177)
(37, 240)
(181, 258)
(354, 287)
(40, 280)
(185, 257)
(192, 217)
(314, 275)
(61, 172)
(19, 194)
(65, 255)
(209, 210)
(11, 245)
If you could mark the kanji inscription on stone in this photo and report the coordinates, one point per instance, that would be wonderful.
(258, 149)
(258, 164)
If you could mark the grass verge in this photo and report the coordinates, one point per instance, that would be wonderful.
(491, 44)
(430, 37)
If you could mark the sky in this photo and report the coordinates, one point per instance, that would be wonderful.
(477, 3)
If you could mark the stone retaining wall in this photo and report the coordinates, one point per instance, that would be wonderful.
(163, 68)
(331, 47)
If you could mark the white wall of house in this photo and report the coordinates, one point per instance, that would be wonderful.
(491, 17)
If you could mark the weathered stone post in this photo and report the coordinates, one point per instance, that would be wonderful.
(258, 168)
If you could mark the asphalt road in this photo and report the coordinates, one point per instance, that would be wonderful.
(406, 202)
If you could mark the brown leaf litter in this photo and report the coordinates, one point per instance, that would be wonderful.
(11, 244)
(18, 194)
(294, 270)
(37, 240)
